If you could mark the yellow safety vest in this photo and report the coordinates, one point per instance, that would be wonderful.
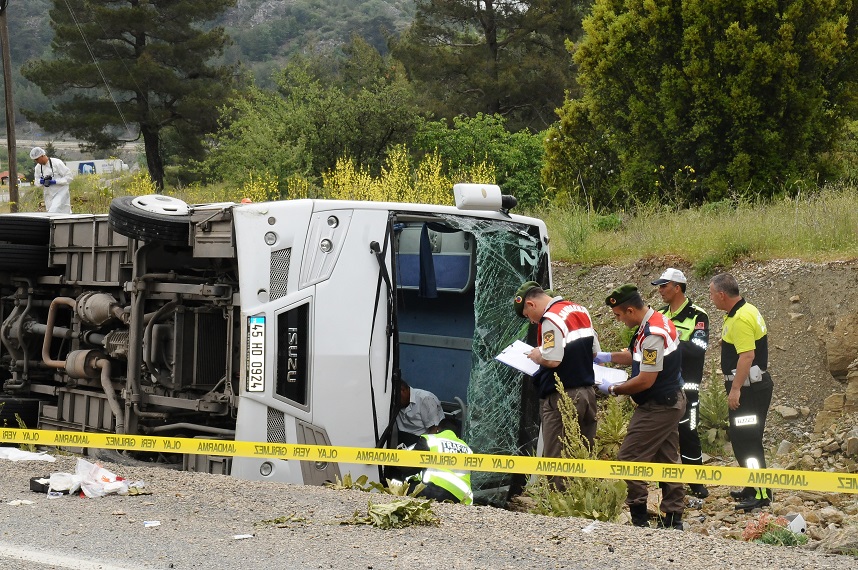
(458, 483)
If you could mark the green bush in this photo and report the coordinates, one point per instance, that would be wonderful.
(708, 266)
(696, 101)
(608, 223)
(780, 536)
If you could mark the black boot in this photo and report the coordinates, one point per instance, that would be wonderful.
(761, 498)
(670, 520)
(639, 515)
(743, 494)
(699, 491)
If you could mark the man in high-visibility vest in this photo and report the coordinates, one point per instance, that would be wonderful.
(749, 386)
(692, 324)
(442, 484)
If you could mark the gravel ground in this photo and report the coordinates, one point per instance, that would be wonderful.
(200, 515)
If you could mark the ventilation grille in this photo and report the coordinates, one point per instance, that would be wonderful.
(279, 273)
(276, 426)
(210, 356)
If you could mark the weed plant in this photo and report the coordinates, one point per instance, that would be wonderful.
(396, 514)
(586, 497)
(713, 414)
(614, 417)
(769, 529)
(390, 487)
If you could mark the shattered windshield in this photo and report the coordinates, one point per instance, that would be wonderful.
(508, 254)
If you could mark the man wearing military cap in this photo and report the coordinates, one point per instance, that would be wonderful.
(567, 344)
(655, 386)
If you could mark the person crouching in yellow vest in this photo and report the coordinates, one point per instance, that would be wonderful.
(443, 484)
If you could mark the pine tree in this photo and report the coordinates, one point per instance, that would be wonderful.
(493, 56)
(130, 69)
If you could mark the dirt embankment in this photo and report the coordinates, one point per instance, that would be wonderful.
(803, 305)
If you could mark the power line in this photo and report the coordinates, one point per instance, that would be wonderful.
(121, 60)
(98, 67)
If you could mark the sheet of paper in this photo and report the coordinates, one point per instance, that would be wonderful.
(515, 355)
(609, 376)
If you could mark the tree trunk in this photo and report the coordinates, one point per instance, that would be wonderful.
(152, 145)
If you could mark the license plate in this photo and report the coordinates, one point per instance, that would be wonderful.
(255, 354)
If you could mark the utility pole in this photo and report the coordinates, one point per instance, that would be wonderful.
(10, 108)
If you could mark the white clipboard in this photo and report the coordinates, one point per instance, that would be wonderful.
(515, 355)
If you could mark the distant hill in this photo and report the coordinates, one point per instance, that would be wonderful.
(30, 37)
(265, 33)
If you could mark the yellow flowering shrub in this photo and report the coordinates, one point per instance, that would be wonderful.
(400, 182)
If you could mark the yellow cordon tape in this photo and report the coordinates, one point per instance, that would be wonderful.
(734, 476)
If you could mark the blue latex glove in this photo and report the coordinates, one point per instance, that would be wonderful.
(41, 181)
(602, 357)
(603, 388)
(50, 182)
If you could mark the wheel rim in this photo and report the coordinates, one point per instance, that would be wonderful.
(158, 204)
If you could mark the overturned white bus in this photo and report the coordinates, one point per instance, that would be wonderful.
(288, 322)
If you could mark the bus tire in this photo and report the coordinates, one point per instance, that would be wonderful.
(27, 230)
(152, 218)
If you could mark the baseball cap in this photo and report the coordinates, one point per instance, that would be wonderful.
(671, 274)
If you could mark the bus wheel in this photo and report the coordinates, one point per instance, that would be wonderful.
(152, 218)
(24, 229)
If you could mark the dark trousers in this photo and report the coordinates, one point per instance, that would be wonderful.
(748, 422)
(689, 440)
(653, 437)
(584, 399)
(434, 492)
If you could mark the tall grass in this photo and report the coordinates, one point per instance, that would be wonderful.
(820, 226)
(817, 226)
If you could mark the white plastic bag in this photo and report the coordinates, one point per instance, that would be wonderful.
(96, 481)
(63, 482)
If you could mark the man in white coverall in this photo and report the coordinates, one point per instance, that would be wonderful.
(54, 176)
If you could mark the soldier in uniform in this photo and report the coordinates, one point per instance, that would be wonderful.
(656, 387)
(568, 343)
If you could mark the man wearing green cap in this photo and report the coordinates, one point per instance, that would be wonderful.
(656, 387)
(567, 344)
